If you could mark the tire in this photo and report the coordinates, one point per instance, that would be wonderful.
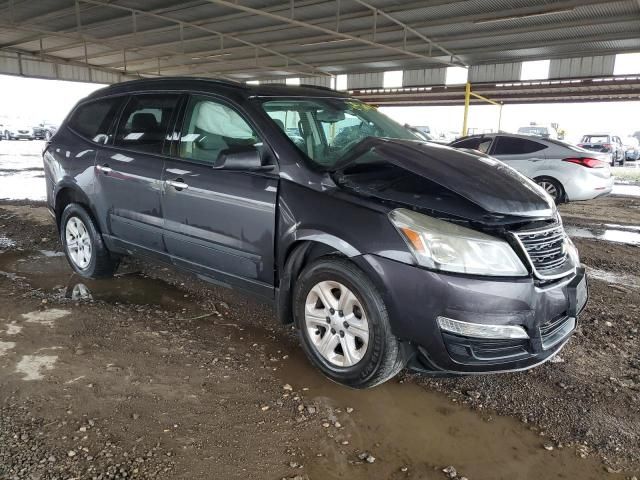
(95, 261)
(375, 361)
(553, 187)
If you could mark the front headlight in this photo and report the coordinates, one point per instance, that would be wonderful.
(451, 248)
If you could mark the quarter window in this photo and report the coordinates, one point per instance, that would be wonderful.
(93, 120)
(144, 122)
(516, 146)
(210, 128)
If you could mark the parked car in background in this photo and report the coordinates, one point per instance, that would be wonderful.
(632, 149)
(605, 143)
(566, 172)
(19, 132)
(44, 131)
(419, 133)
(543, 131)
(383, 251)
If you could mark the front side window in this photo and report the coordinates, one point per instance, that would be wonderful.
(93, 120)
(516, 146)
(325, 129)
(211, 127)
(144, 122)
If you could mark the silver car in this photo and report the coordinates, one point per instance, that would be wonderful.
(566, 172)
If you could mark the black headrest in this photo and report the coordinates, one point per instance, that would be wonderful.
(143, 123)
(279, 123)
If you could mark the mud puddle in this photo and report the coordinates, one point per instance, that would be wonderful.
(411, 432)
(22, 185)
(406, 427)
(49, 272)
(626, 190)
(629, 235)
(625, 280)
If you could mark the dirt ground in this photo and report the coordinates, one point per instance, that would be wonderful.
(607, 210)
(156, 374)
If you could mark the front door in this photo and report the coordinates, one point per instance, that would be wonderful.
(220, 223)
(129, 173)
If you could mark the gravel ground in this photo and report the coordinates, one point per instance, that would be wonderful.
(158, 375)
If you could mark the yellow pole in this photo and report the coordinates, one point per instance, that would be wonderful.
(467, 98)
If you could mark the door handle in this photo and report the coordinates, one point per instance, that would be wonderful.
(178, 184)
(105, 169)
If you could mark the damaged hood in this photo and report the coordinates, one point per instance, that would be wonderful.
(484, 181)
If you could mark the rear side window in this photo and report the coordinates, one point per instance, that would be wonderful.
(92, 120)
(145, 121)
(481, 144)
(211, 127)
(516, 146)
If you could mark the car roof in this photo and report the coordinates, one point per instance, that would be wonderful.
(216, 86)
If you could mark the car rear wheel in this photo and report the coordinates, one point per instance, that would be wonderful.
(343, 324)
(83, 245)
(552, 187)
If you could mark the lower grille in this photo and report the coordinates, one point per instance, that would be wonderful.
(545, 248)
(554, 331)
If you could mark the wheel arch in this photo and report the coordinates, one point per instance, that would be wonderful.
(545, 176)
(67, 194)
(298, 255)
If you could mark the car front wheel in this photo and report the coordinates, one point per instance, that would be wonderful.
(343, 324)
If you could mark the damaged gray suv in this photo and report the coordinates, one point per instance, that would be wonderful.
(385, 251)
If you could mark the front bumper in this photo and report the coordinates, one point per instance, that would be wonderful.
(416, 297)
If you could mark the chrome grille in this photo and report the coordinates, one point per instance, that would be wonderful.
(545, 248)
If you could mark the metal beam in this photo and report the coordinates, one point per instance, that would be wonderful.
(407, 28)
(287, 58)
(300, 23)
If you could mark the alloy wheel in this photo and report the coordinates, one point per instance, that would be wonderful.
(336, 324)
(78, 242)
(550, 188)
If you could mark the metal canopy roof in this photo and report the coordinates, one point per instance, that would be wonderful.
(250, 39)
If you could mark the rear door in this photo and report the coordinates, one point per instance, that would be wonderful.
(217, 222)
(525, 155)
(129, 173)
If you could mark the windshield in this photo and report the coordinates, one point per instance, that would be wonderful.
(325, 129)
(533, 130)
(595, 139)
(567, 145)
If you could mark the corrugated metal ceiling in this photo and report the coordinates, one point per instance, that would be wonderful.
(267, 38)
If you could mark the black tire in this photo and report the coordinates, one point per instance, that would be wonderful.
(102, 263)
(559, 197)
(384, 356)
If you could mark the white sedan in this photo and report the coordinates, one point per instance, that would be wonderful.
(566, 172)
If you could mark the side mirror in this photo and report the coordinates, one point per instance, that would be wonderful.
(240, 158)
